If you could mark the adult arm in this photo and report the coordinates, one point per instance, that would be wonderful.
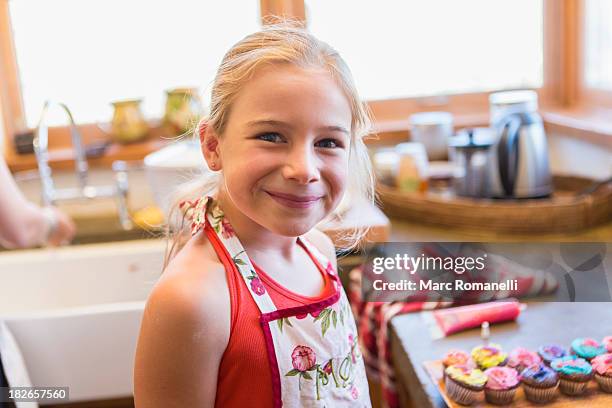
(24, 224)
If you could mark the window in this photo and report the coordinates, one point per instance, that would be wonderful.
(89, 53)
(598, 44)
(400, 49)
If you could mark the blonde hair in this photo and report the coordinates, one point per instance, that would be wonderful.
(290, 44)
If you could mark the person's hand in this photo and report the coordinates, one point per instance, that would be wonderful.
(64, 229)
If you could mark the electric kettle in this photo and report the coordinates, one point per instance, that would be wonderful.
(519, 159)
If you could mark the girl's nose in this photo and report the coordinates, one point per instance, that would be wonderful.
(301, 165)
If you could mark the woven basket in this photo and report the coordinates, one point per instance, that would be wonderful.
(565, 211)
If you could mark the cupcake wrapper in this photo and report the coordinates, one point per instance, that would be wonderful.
(605, 382)
(540, 395)
(500, 397)
(459, 393)
(570, 387)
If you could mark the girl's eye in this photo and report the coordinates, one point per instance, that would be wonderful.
(329, 143)
(270, 137)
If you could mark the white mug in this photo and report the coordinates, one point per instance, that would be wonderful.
(433, 129)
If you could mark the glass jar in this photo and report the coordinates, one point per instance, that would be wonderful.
(412, 170)
(386, 164)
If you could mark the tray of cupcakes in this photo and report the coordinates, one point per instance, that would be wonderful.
(553, 375)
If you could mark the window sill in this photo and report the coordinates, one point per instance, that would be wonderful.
(61, 155)
(63, 158)
(390, 131)
(590, 124)
(587, 123)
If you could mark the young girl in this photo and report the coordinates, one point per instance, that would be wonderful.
(251, 312)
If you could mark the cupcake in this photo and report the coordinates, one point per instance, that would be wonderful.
(463, 383)
(602, 366)
(501, 385)
(574, 374)
(607, 343)
(540, 383)
(489, 356)
(521, 358)
(455, 357)
(587, 348)
(551, 352)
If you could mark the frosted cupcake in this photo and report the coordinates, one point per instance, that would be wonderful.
(464, 384)
(489, 356)
(501, 385)
(521, 358)
(551, 352)
(540, 383)
(607, 343)
(587, 348)
(602, 366)
(574, 374)
(456, 357)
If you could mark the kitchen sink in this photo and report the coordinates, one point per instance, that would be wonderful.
(97, 220)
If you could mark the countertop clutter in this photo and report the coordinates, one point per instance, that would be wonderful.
(539, 325)
(497, 179)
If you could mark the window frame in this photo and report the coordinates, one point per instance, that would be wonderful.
(562, 89)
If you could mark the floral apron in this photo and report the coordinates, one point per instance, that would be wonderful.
(312, 349)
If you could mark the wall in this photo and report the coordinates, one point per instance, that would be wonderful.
(569, 155)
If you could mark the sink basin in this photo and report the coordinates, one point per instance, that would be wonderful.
(75, 312)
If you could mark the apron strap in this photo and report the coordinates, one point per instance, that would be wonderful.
(320, 257)
(207, 211)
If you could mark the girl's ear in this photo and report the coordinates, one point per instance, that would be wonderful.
(209, 143)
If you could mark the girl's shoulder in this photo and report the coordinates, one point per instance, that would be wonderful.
(193, 289)
(184, 332)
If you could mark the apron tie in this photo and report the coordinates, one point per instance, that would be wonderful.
(195, 213)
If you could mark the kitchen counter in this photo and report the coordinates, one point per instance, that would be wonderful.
(407, 231)
(537, 325)
(98, 222)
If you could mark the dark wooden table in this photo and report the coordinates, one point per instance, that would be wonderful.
(541, 323)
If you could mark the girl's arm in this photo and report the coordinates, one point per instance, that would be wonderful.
(184, 332)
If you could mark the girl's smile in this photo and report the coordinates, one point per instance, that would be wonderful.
(295, 201)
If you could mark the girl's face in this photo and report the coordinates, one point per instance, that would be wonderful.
(284, 152)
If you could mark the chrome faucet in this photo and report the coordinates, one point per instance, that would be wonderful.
(84, 191)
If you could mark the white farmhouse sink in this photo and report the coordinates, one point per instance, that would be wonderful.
(75, 312)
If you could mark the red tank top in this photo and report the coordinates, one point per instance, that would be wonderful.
(244, 378)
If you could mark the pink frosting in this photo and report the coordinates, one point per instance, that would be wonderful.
(522, 357)
(607, 342)
(603, 364)
(501, 378)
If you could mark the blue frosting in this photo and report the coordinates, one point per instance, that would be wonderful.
(587, 348)
(569, 365)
